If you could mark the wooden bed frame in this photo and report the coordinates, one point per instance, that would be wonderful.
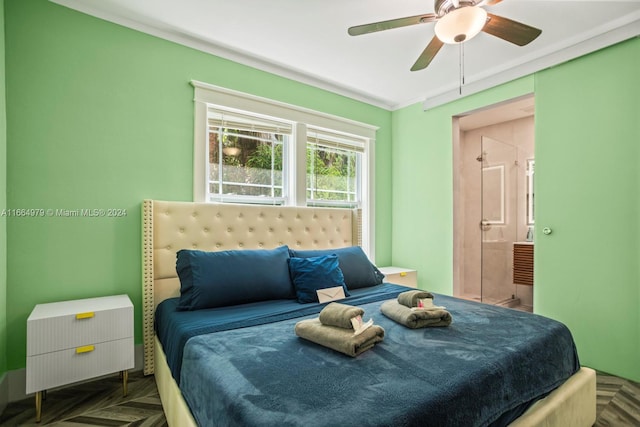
(170, 226)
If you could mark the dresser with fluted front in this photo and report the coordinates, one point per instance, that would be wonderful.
(71, 341)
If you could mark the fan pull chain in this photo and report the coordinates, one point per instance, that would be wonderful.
(461, 62)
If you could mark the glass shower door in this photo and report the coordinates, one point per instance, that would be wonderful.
(499, 166)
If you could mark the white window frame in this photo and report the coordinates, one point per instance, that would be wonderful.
(207, 94)
(226, 198)
(329, 140)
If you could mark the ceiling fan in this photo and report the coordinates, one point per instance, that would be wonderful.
(457, 21)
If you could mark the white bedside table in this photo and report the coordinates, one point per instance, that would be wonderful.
(72, 341)
(400, 276)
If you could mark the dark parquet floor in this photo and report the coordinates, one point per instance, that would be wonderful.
(100, 403)
(618, 402)
(95, 403)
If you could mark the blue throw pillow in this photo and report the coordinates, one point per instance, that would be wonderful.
(356, 268)
(218, 279)
(311, 274)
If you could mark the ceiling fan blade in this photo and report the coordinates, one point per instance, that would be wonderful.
(428, 54)
(512, 31)
(393, 23)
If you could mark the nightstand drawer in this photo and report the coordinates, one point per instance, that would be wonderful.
(66, 325)
(400, 276)
(70, 341)
(50, 370)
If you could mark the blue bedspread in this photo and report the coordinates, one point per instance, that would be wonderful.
(175, 328)
(484, 369)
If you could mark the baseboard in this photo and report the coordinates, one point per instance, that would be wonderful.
(4, 392)
(14, 383)
(17, 384)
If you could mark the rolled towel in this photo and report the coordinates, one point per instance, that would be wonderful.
(410, 298)
(339, 339)
(340, 315)
(415, 319)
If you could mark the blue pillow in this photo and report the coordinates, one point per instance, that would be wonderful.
(218, 279)
(311, 274)
(356, 268)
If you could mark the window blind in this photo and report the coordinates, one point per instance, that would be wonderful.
(335, 140)
(219, 118)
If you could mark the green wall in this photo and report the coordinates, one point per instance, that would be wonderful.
(3, 204)
(587, 190)
(422, 171)
(100, 116)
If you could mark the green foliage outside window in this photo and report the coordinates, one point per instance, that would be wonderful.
(252, 165)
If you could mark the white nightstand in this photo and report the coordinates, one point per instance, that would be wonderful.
(76, 340)
(400, 276)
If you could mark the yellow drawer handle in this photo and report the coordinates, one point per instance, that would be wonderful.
(403, 273)
(87, 315)
(85, 349)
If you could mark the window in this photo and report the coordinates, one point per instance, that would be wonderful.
(246, 157)
(333, 169)
(254, 150)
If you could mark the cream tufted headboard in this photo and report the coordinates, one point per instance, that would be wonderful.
(168, 227)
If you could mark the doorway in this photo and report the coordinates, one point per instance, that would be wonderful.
(493, 158)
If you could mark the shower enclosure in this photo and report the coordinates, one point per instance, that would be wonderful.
(493, 207)
(499, 212)
(494, 214)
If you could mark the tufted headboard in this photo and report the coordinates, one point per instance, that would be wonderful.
(168, 227)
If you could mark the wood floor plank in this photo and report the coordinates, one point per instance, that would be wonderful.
(154, 421)
(97, 421)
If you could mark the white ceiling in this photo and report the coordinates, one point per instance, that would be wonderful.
(307, 40)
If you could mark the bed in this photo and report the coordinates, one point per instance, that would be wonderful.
(492, 366)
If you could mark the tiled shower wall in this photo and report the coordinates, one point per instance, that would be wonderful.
(498, 283)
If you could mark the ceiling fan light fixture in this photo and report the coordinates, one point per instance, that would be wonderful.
(461, 24)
